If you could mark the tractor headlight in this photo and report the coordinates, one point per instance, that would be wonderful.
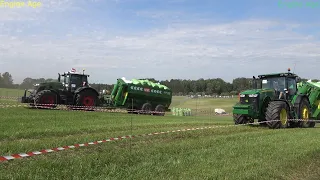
(253, 95)
(242, 95)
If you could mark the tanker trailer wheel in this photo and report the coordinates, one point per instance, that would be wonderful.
(86, 98)
(46, 99)
(146, 109)
(305, 114)
(159, 110)
(277, 115)
(239, 119)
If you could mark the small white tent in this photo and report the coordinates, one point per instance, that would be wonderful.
(220, 111)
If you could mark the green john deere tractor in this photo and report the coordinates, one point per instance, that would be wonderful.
(279, 100)
(73, 90)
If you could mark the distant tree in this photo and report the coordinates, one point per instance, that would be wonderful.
(6, 80)
(201, 86)
(240, 84)
(1, 80)
(27, 83)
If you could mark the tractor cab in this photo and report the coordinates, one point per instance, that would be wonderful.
(72, 81)
(284, 84)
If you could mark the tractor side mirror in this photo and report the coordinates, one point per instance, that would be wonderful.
(59, 77)
(298, 79)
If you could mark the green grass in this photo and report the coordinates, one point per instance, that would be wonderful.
(10, 95)
(11, 92)
(204, 106)
(230, 152)
(210, 103)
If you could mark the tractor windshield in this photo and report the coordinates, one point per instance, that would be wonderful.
(75, 80)
(277, 83)
(78, 80)
(292, 86)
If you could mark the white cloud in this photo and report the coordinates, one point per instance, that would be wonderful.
(227, 50)
(160, 14)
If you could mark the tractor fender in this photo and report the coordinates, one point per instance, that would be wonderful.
(264, 101)
(40, 89)
(299, 99)
(288, 104)
(86, 89)
(264, 104)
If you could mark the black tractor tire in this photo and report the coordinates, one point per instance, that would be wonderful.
(251, 120)
(46, 99)
(146, 109)
(276, 111)
(304, 105)
(262, 119)
(159, 110)
(86, 98)
(240, 119)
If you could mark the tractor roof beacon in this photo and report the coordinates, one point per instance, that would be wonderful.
(279, 100)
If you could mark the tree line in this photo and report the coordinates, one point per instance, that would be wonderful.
(214, 86)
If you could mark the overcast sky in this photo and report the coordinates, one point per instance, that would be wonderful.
(164, 39)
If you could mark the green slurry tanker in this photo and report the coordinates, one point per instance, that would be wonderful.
(141, 96)
(281, 100)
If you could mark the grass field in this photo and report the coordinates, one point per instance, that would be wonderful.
(11, 92)
(230, 152)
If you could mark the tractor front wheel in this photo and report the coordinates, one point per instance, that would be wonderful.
(242, 119)
(277, 115)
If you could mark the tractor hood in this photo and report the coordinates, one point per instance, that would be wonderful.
(50, 82)
(50, 85)
(255, 91)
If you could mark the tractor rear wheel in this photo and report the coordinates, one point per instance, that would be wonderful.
(304, 114)
(46, 99)
(86, 98)
(277, 115)
(146, 108)
(159, 110)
